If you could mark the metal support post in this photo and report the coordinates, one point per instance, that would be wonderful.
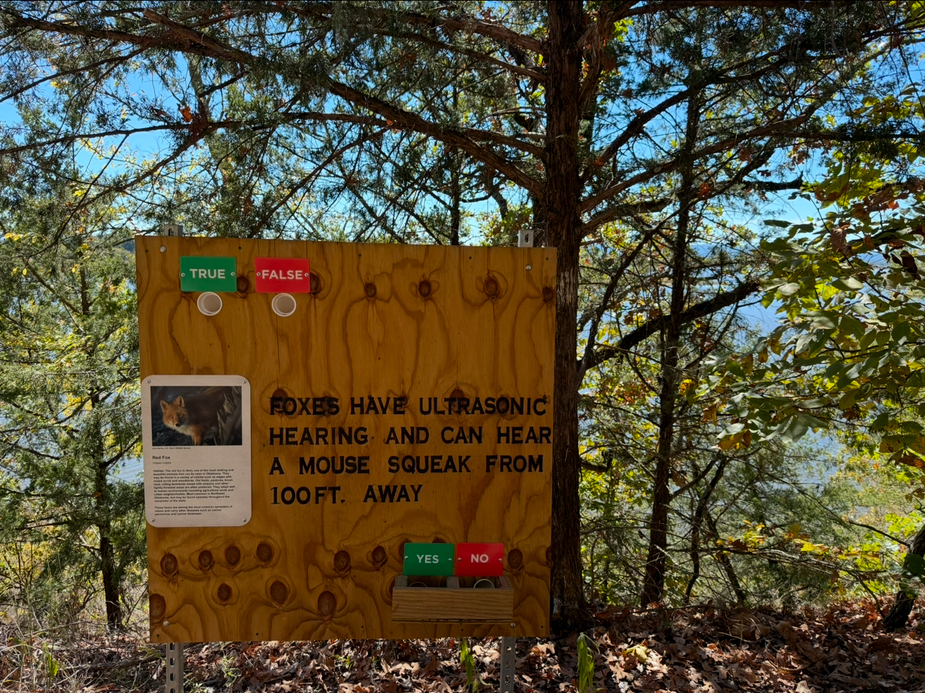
(525, 239)
(508, 655)
(509, 643)
(174, 682)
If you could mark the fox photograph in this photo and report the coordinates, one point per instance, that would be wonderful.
(188, 415)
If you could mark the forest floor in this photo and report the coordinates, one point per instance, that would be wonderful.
(694, 649)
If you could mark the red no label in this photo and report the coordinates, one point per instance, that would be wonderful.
(289, 275)
(480, 560)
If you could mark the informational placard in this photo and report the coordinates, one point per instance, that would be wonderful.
(196, 435)
(406, 400)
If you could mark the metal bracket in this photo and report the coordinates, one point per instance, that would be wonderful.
(171, 230)
(174, 681)
(508, 655)
(525, 240)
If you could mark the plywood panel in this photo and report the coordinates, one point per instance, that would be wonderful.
(426, 324)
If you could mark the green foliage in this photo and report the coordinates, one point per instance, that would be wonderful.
(849, 348)
(586, 650)
(68, 406)
(467, 659)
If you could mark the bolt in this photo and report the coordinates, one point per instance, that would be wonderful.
(163, 248)
(166, 623)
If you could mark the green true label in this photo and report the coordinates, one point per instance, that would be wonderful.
(428, 559)
(203, 273)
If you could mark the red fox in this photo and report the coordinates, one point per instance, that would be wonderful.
(195, 415)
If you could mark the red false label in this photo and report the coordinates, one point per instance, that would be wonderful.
(480, 560)
(282, 275)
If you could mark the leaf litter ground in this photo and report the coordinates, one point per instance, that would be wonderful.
(699, 649)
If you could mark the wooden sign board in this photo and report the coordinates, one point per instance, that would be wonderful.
(406, 399)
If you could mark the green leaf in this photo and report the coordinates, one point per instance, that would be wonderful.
(901, 332)
(916, 380)
(851, 325)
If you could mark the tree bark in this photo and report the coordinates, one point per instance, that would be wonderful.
(102, 507)
(102, 500)
(563, 232)
(905, 598)
(653, 586)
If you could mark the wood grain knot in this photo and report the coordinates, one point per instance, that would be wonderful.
(169, 565)
(490, 286)
(279, 393)
(264, 552)
(549, 294)
(243, 284)
(370, 290)
(549, 556)
(379, 556)
(424, 289)
(223, 593)
(279, 593)
(205, 560)
(157, 607)
(342, 561)
(515, 559)
(439, 540)
(327, 604)
(232, 555)
(316, 283)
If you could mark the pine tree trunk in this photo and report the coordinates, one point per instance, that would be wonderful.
(108, 571)
(657, 560)
(102, 509)
(110, 581)
(905, 598)
(564, 232)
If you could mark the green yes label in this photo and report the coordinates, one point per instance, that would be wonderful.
(428, 559)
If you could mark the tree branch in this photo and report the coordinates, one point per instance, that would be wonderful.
(452, 137)
(651, 327)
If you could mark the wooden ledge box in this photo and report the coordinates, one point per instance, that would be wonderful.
(453, 602)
